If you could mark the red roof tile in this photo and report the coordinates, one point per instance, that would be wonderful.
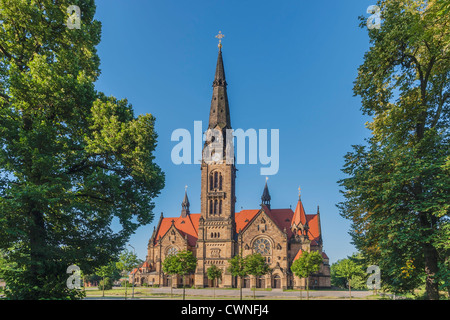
(187, 226)
(299, 214)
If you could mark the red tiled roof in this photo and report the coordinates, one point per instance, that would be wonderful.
(314, 230)
(187, 226)
(243, 217)
(283, 218)
(299, 214)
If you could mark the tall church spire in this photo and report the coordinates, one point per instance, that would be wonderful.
(219, 115)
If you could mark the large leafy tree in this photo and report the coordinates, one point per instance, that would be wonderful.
(397, 194)
(71, 158)
(181, 264)
(351, 271)
(256, 265)
(307, 264)
(237, 268)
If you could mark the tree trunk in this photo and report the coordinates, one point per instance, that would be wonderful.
(350, 288)
(126, 287)
(183, 287)
(37, 249)
(307, 288)
(240, 288)
(431, 268)
(103, 287)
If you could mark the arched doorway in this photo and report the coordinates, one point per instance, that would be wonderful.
(246, 283)
(260, 282)
(276, 282)
(167, 280)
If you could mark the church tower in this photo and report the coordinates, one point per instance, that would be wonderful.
(216, 232)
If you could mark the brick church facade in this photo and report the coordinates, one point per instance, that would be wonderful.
(219, 233)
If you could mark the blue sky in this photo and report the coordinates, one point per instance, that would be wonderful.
(290, 65)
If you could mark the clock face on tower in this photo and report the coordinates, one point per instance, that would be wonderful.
(262, 246)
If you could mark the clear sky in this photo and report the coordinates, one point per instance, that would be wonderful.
(290, 65)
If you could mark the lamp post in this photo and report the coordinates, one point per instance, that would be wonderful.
(132, 284)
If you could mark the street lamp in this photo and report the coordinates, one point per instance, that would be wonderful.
(132, 284)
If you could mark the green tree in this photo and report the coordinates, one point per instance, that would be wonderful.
(349, 270)
(307, 264)
(237, 268)
(359, 281)
(255, 265)
(397, 193)
(71, 158)
(169, 266)
(127, 262)
(104, 272)
(214, 274)
(181, 264)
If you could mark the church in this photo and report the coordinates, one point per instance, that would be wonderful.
(219, 233)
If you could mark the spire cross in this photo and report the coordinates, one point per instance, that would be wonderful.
(220, 36)
(299, 191)
(185, 188)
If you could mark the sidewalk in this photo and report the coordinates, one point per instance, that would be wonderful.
(273, 294)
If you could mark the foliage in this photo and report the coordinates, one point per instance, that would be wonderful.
(180, 264)
(349, 270)
(127, 261)
(237, 269)
(397, 193)
(71, 158)
(105, 284)
(255, 264)
(339, 274)
(214, 273)
(307, 264)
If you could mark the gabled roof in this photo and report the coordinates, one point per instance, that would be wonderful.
(187, 226)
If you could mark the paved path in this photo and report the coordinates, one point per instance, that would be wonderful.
(247, 294)
(268, 294)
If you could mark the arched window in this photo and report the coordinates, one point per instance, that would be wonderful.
(216, 180)
(211, 207)
(220, 207)
(215, 207)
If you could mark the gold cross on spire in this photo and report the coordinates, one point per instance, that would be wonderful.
(299, 191)
(220, 36)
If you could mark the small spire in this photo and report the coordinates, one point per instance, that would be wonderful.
(185, 204)
(265, 198)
